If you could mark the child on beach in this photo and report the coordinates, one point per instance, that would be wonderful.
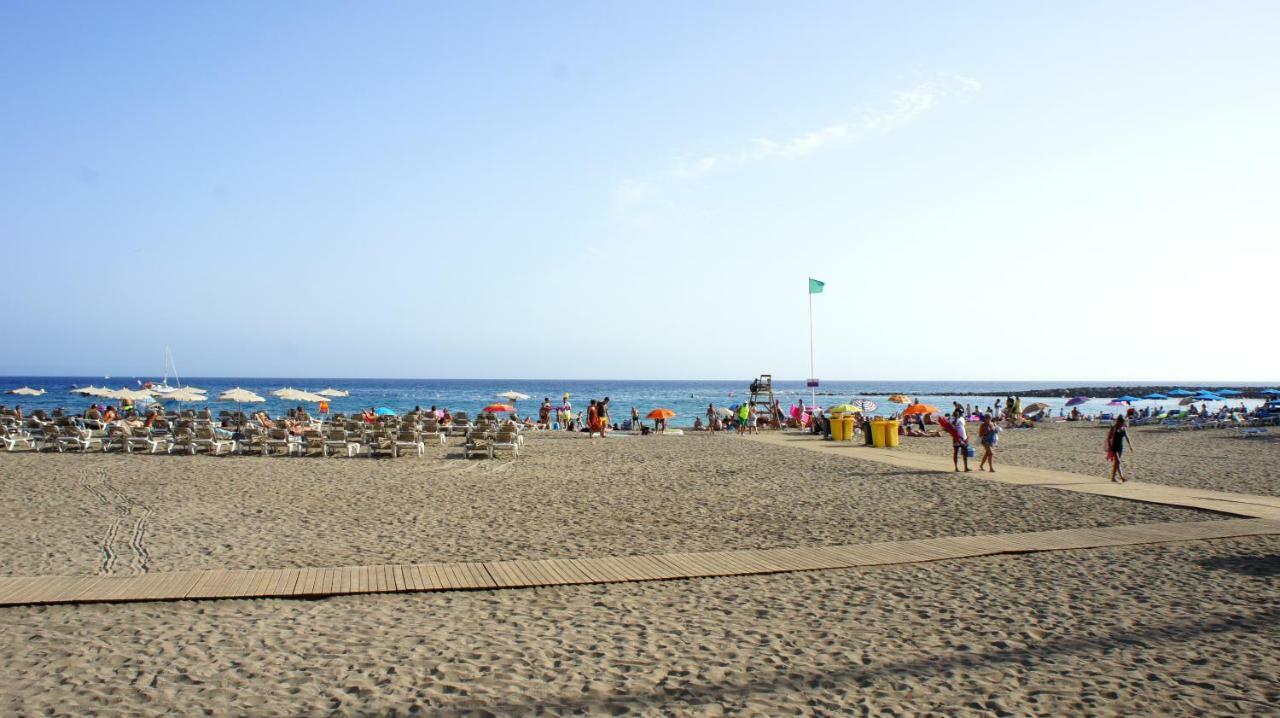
(1116, 439)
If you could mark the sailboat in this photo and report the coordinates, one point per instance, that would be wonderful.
(163, 387)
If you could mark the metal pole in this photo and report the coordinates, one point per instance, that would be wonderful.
(813, 391)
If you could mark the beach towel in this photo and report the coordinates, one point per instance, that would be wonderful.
(947, 426)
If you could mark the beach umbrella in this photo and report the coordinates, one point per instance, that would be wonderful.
(1116, 402)
(26, 391)
(660, 414)
(844, 409)
(921, 409)
(1207, 397)
(1271, 392)
(384, 411)
(125, 393)
(333, 392)
(723, 411)
(1181, 392)
(495, 408)
(1075, 400)
(240, 397)
(1127, 398)
(1228, 392)
(1155, 397)
(512, 396)
(182, 395)
(866, 405)
(1038, 406)
(291, 394)
(92, 391)
(1187, 400)
(900, 399)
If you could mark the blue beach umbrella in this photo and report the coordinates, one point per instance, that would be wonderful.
(1272, 392)
(1155, 397)
(384, 411)
(1208, 396)
(1126, 397)
(1181, 392)
(1228, 392)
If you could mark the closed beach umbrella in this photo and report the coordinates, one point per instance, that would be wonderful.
(512, 396)
(660, 413)
(333, 392)
(496, 408)
(26, 391)
(900, 399)
(920, 409)
(1181, 392)
(1076, 400)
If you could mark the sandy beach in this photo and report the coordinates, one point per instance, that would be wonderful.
(1175, 628)
(1218, 459)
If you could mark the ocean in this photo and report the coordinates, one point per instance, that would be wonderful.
(689, 399)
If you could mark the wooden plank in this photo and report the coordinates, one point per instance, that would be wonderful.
(389, 578)
(481, 575)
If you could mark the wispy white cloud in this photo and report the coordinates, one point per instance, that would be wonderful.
(903, 108)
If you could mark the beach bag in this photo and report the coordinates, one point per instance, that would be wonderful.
(968, 451)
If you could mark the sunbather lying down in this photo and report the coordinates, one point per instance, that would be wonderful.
(913, 431)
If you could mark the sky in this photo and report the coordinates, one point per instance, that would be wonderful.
(991, 191)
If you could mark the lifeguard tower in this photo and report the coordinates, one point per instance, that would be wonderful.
(762, 395)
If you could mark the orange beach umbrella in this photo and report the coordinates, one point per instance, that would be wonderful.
(920, 409)
(495, 408)
(660, 414)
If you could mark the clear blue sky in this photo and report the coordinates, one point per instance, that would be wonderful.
(606, 190)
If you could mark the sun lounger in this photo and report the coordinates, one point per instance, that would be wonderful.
(206, 439)
(477, 442)
(506, 440)
(147, 439)
(15, 435)
(337, 440)
(409, 439)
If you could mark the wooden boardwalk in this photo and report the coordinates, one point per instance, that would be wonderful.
(415, 577)
(1263, 507)
(1261, 517)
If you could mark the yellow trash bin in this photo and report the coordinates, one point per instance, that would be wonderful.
(878, 433)
(839, 428)
(850, 421)
(891, 432)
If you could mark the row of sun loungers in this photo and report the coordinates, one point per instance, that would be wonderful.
(394, 437)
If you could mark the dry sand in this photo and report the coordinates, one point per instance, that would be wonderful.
(1218, 459)
(1188, 629)
(1171, 629)
(565, 497)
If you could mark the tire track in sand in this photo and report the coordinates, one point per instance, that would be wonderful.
(127, 510)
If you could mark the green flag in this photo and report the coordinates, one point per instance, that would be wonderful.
(815, 287)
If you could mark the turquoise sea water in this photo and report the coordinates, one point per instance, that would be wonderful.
(688, 399)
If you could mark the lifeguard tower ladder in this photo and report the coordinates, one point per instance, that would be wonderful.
(762, 395)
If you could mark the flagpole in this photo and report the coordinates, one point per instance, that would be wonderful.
(813, 391)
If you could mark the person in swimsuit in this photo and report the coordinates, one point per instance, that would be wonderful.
(1116, 439)
(593, 420)
(988, 433)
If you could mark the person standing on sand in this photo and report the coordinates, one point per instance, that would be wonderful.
(603, 410)
(1116, 439)
(744, 411)
(593, 420)
(988, 434)
(959, 440)
(635, 419)
(711, 414)
(544, 413)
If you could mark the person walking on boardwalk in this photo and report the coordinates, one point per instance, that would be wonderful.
(1116, 439)
(959, 440)
(988, 433)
